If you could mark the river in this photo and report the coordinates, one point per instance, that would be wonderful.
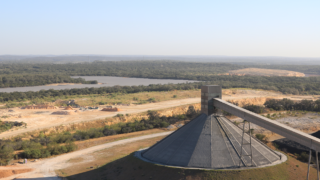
(104, 81)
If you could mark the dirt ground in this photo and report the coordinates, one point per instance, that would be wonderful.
(265, 72)
(114, 160)
(118, 163)
(13, 170)
(43, 118)
(47, 167)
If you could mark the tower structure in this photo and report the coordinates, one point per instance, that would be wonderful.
(207, 94)
(210, 141)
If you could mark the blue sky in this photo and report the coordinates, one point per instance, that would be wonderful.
(231, 28)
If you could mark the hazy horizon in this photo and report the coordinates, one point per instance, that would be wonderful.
(163, 28)
(142, 55)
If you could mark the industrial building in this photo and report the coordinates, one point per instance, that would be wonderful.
(211, 141)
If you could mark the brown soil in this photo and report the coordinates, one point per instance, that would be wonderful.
(264, 72)
(7, 173)
(68, 108)
(38, 119)
(42, 119)
(102, 157)
(119, 163)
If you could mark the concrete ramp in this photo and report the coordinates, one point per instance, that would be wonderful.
(209, 142)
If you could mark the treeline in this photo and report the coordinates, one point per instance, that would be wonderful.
(286, 85)
(21, 96)
(149, 69)
(21, 80)
(287, 104)
(284, 105)
(38, 74)
(46, 145)
(155, 69)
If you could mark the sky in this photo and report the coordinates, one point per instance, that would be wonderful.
(163, 27)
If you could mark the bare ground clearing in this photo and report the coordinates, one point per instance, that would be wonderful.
(265, 72)
(40, 119)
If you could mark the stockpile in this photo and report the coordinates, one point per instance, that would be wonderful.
(62, 113)
(110, 109)
(68, 108)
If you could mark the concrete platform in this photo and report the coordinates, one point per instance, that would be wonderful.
(209, 142)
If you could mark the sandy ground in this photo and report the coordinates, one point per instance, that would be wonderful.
(40, 119)
(265, 72)
(46, 167)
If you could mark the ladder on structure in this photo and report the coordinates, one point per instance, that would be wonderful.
(244, 144)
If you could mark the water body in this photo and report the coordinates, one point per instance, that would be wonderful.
(107, 81)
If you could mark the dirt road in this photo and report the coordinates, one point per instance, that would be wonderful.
(46, 167)
(42, 118)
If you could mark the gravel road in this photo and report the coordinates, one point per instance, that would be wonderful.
(45, 168)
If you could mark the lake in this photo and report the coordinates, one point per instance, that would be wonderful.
(106, 81)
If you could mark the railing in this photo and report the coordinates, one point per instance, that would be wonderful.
(281, 129)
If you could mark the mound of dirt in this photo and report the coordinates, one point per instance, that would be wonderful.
(110, 109)
(62, 113)
(264, 72)
(7, 173)
(68, 108)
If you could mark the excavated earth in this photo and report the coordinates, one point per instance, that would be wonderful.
(264, 72)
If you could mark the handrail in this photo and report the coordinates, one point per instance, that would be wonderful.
(281, 129)
(256, 139)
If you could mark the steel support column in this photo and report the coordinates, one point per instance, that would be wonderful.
(317, 165)
(243, 134)
(310, 154)
(281, 129)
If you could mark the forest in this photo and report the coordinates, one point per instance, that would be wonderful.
(21, 80)
(286, 85)
(29, 74)
(287, 104)
(284, 105)
(150, 69)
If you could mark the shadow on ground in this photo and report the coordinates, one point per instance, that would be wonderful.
(132, 168)
(43, 178)
(293, 147)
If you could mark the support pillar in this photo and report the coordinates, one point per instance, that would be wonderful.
(309, 162)
(207, 94)
(317, 165)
